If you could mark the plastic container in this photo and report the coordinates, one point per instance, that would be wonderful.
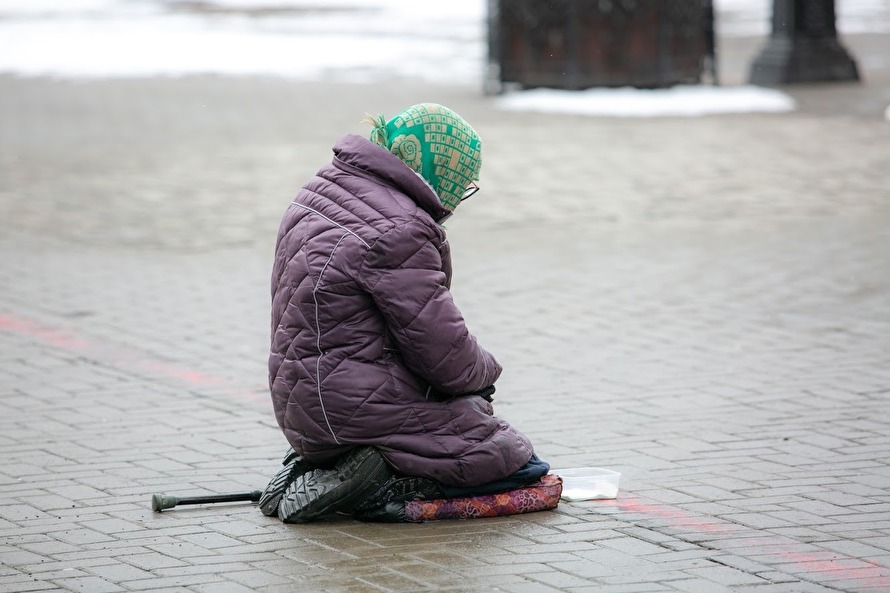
(588, 483)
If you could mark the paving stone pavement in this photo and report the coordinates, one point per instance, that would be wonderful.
(701, 304)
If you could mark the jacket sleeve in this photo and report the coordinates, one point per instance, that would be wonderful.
(403, 274)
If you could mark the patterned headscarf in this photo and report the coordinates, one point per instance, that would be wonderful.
(437, 143)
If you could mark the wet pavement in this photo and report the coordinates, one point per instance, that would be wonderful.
(698, 303)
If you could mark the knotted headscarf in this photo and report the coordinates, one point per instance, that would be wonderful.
(437, 143)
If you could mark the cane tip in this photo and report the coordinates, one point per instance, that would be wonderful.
(159, 502)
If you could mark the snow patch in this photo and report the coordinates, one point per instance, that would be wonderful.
(631, 102)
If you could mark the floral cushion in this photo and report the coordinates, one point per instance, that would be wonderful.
(540, 496)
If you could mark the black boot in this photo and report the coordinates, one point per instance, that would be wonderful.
(320, 492)
(401, 489)
(388, 503)
(294, 465)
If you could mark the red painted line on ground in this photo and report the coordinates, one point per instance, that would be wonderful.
(862, 572)
(65, 339)
(841, 568)
(677, 517)
(31, 329)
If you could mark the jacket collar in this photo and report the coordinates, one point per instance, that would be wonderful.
(358, 155)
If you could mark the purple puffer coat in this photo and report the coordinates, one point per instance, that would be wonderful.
(368, 347)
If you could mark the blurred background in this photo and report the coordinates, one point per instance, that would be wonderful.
(190, 122)
(346, 40)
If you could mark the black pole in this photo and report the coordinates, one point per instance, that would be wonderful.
(492, 85)
(710, 59)
(159, 502)
(803, 46)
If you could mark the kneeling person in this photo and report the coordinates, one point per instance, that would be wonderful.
(373, 372)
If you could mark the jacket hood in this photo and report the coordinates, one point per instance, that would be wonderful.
(358, 155)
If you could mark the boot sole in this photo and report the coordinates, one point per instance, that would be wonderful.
(366, 466)
(271, 496)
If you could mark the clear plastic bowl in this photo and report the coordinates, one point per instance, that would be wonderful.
(588, 483)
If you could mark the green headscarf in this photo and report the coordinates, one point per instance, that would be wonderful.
(437, 143)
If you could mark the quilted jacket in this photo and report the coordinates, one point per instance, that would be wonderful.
(368, 347)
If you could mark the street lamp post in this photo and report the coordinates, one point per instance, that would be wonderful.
(803, 46)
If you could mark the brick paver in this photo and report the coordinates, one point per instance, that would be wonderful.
(701, 304)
